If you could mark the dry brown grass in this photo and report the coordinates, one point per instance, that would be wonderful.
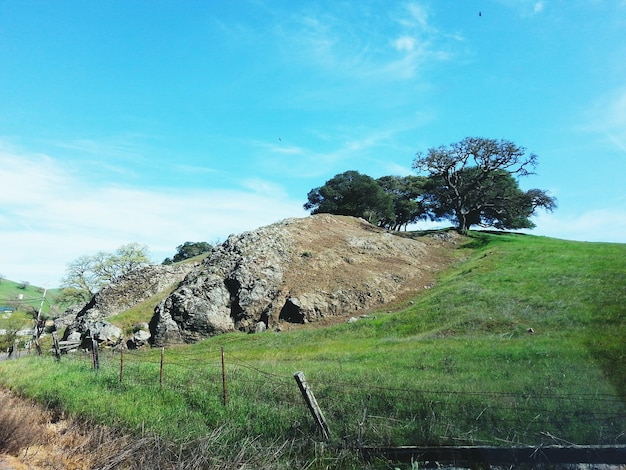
(21, 424)
(34, 438)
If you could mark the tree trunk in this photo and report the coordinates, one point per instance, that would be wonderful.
(463, 227)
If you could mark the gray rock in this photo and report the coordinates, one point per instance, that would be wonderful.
(140, 338)
(127, 292)
(104, 333)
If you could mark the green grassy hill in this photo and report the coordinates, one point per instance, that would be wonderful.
(27, 298)
(522, 342)
(19, 304)
(20, 296)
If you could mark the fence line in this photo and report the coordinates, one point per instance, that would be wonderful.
(509, 414)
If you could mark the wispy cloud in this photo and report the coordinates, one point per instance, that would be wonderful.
(194, 169)
(50, 217)
(607, 117)
(332, 151)
(525, 8)
(398, 41)
(279, 148)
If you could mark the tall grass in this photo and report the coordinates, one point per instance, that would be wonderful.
(520, 343)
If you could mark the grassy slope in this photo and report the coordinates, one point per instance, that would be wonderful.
(32, 295)
(455, 366)
(24, 309)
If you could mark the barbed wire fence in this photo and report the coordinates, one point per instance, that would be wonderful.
(372, 413)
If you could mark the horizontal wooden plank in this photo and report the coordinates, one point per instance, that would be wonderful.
(502, 455)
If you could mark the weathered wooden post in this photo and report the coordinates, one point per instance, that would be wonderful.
(311, 402)
(223, 378)
(94, 353)
(57, 350)
(161, 367)
(121, 363)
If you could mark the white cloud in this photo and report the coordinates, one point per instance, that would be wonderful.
(50, 217)
(404, 43)
(279, 148)
(416, 16)
(334, 42)
(600, 225)
(525, 7)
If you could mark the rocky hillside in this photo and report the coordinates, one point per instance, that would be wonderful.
(117, 297)
(294, 272)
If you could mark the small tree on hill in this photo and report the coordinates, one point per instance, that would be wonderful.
(91, 273)
(188, 250)
(354, 194)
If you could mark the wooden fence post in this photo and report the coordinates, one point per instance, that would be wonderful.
(94, 353)
(121, 363)
(57, 351)
(311, 402)
(223, 379)
(161, 367)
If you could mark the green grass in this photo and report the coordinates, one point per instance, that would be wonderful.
(22, 296)
(31, 297)
(140, 313)
(457, 365)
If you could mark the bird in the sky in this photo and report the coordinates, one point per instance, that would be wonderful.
(480, 13)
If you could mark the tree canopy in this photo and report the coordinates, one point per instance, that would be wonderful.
(89, 274)
(472, 182)
(405, 193)
(354, 194)
(188, 250)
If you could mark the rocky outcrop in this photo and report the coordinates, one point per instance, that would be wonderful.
(234, 287)
(117, 297)
(294, 271)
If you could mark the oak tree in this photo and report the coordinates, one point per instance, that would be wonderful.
(352, 193)
(91, 273)
(473, 182)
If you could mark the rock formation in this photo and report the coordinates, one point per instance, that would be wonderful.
(117, 297)
(294, 271)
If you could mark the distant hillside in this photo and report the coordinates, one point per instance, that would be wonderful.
(25, 297)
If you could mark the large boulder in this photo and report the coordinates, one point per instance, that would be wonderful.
(294, 271)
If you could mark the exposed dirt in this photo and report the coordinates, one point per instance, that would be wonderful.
(300, 271)
(325, 262)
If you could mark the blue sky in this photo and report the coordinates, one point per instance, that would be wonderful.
(161, 122)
